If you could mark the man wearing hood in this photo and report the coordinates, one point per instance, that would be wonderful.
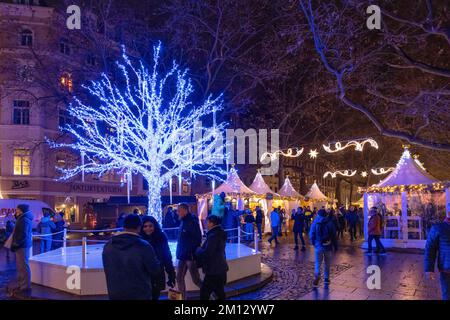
(213, 260)
(21, 243)
(438, 248)
(130, 263)
(323, 236)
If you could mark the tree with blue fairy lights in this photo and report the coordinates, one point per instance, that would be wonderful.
(145, 123)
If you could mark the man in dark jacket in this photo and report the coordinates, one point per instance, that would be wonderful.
(438, 246)
(213, 260)
(259, 221)
(299, 225)
(189, 239)
(323, 236)
(352, 220)
(130, 263)
(22, 242)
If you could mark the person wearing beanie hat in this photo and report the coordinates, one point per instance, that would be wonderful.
(21, 243)
(323, 236)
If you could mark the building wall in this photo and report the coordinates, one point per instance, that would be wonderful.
(46, 97)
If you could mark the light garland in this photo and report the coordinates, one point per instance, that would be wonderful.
(313, 153)
(358, 145)
(420, 164)
(437, 186)
(289, 153)
(345, 173)
(380, 171)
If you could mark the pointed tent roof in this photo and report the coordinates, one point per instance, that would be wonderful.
(314, 193)
(233, 185)
(259, 186)
(407, 172)
(287, 190)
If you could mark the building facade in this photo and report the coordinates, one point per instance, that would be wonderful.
(42, 65)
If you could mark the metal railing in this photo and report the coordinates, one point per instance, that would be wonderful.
(84, 241)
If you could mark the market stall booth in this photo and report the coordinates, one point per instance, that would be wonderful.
(315, 198)
(265, 198)
(235, 191)
(410, 201)
(291, 198)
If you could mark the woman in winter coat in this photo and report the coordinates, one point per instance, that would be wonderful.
(152, 232)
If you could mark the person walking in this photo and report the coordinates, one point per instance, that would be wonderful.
(259, 221)
(323, 236)
(275, 224)
(341, 221)
(152, 232)
(58, 236)
(46, 227)
(375, 230)
(212, 258)
(284, 223)
(352, 220)
(360, 212)
(21, 244)
(130, 263)
(189, 239)
(249, 220)
(299, 225)
(308, 218)
(437, 248)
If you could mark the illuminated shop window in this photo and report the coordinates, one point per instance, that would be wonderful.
(22, 162)
(66, 81)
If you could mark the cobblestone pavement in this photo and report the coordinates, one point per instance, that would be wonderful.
(402, 275)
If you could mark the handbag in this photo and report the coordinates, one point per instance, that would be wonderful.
(174, 294)
(8, 242)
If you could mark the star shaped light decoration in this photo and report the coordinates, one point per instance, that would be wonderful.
(313, 154)
(364, 174)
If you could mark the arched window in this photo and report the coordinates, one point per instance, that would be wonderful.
(26, 38)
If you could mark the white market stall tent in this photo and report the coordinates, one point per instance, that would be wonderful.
(266, 198)
(233, 187)
(291, 198)
(316, 198)
(410, 200)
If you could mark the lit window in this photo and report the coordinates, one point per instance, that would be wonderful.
(21, 112)
(66, 81)
(21, 162)
(26, 38)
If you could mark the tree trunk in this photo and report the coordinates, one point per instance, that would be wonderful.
(338, 190)
(154, 198)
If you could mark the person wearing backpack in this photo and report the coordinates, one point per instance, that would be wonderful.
(375, 226)
(323, 236)
(437, 248)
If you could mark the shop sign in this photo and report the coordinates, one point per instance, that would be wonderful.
(16, 184)
(89, 188)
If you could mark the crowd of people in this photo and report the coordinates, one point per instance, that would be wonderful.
(141, 254)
